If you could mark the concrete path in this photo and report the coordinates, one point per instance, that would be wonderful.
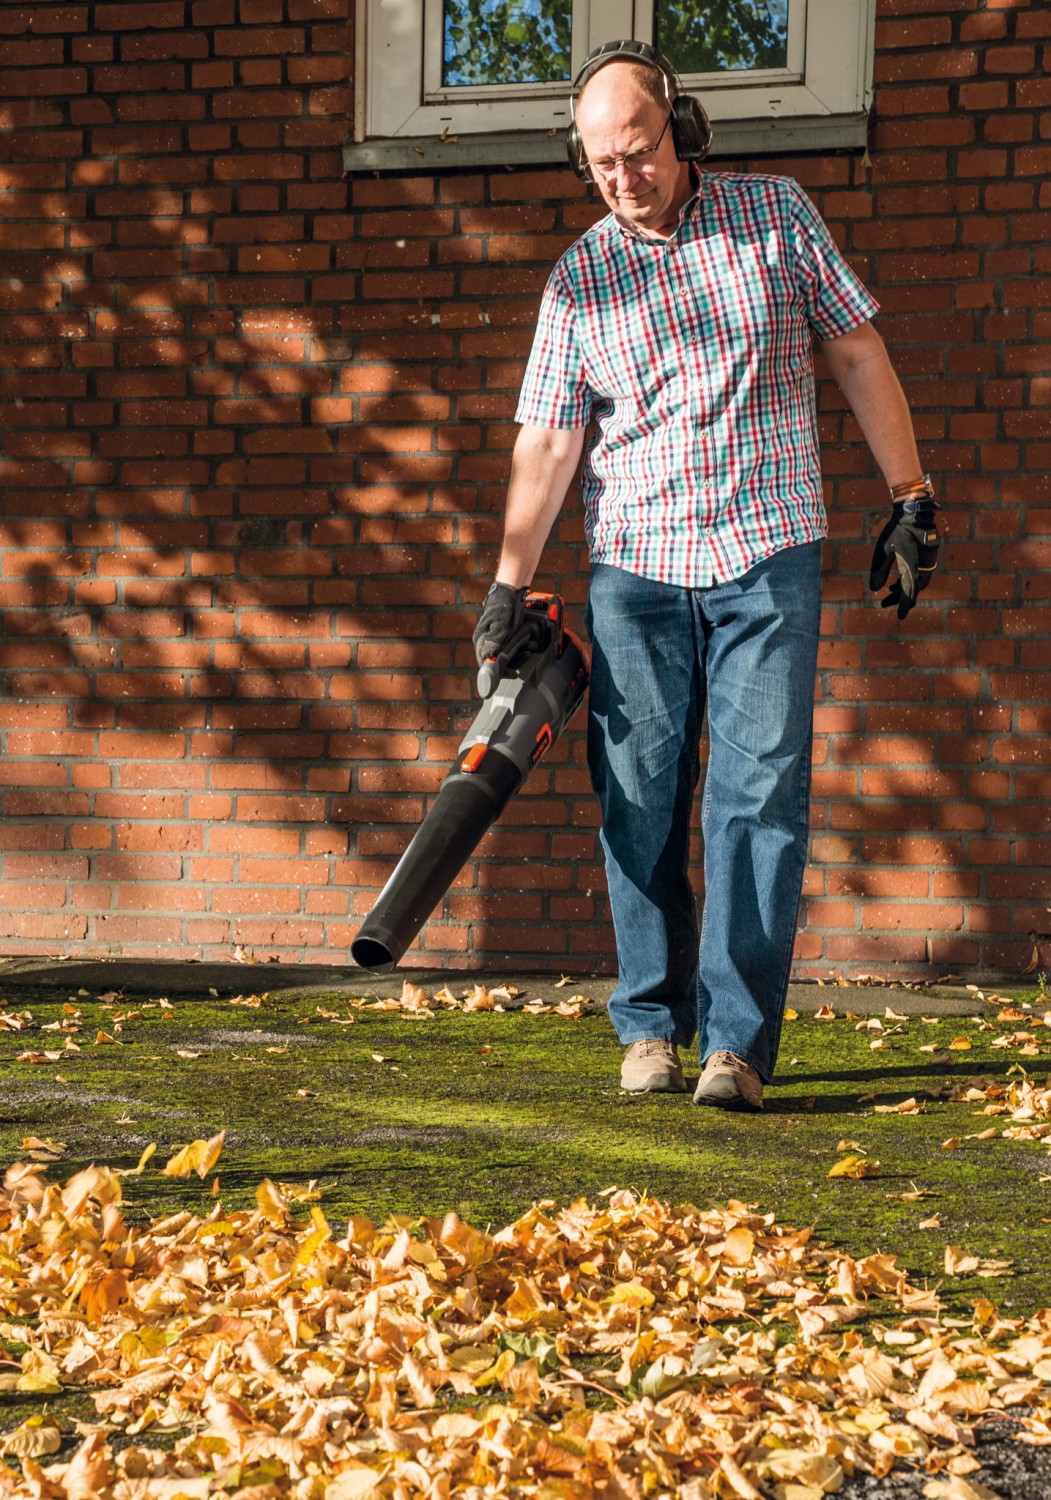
(185, 979)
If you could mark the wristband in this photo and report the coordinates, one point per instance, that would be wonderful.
(914, 489)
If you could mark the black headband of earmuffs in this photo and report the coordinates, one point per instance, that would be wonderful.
(690, 127)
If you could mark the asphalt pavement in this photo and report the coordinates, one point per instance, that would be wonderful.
(185, 978)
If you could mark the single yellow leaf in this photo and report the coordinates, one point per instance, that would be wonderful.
(273, 1204)
(807, 1470)
(36, 1143)
(630, 1294)
(474, 1358)
(479, 999)
(958, 1262)
(958, 1488)
(139, 1345)
(960, 1044)
(314, 1240)
(855, 1167)
(137, 1171)
(412, 997)
(737, 1247)
(103, 1293)
(497, 1372)
(353, 1484)
(35, 1438)
(525, 1302)
(40, 1375)
(198, 1156)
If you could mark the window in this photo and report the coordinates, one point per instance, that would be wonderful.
(773, 74)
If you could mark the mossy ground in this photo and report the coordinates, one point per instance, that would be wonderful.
(485, 1113)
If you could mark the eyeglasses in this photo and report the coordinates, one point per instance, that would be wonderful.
(635, 161)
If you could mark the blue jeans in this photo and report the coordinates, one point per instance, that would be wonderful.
(749, 649)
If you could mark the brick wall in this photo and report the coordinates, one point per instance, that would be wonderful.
(257, 421)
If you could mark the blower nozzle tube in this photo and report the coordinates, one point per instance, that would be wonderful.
(525, 710)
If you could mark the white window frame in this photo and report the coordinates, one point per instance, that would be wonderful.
(399, 97)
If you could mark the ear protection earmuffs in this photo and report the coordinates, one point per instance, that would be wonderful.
(690, 127)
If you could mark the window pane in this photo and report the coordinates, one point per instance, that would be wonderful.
(505, 41)
(722, 36)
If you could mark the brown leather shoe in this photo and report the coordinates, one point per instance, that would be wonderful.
(652, 1066)
(729, 1083)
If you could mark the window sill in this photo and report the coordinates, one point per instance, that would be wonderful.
(745, 138)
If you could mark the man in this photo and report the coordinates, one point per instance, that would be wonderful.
(681, 326)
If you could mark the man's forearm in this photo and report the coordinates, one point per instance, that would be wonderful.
(864, 373)
(542, 469)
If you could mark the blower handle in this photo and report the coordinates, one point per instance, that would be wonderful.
(542, 621)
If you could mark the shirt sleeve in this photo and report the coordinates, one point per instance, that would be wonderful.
(555, 392)
(836, 301)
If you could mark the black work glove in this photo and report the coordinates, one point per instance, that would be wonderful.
(501, 616)
(910, 539)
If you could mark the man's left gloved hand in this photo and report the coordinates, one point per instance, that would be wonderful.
(910, 539)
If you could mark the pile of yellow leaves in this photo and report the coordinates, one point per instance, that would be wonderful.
(627, 1349)
(1026, 1102)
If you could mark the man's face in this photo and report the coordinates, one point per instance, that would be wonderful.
(615, 118)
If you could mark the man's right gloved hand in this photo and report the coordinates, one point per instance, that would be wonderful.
(500, 617)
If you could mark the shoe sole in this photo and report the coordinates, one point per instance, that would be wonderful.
(727, 1096)
(658, 1083)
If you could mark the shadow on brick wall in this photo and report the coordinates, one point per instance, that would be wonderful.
(257, 426)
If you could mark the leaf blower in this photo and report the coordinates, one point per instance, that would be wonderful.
(530, 690)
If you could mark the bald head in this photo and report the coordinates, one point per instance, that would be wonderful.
(650, 81)
(622, 114)
(622, 86)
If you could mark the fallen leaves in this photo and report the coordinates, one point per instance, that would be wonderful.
(42, 1149)
(414, 1001)
(287, 1361)
(293, 1357)
(958, 1263)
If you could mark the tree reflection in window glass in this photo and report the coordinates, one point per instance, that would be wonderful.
(722, 36)
(506, 41)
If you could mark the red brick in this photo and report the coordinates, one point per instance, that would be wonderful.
(933, 31)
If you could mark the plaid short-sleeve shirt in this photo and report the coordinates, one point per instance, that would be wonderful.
(693, 357)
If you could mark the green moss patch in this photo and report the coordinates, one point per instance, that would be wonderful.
(485, 1113)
